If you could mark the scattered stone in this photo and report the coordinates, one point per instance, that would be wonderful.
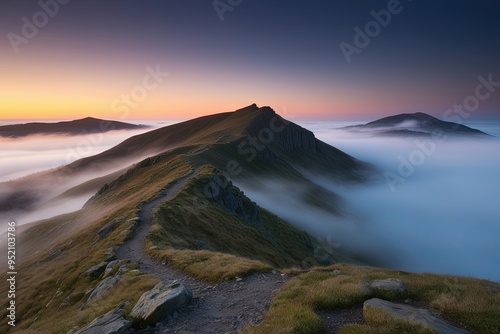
(109, 268)
(57, 294)
(390, 284)
(109, 323)
(335, 272)
(106, 229)
(110, 254)
(106, 284)
(96, 270)
(412, 314)
(239, 279)
(163, 299)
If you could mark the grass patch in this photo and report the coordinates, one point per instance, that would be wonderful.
(466, 302)
(385, 323)
(207, 265)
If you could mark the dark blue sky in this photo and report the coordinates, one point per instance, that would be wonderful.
(285, 54)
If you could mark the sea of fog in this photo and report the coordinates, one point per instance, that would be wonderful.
(23, 156)
(443, 216)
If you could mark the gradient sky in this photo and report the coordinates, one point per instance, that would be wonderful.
(280, 53)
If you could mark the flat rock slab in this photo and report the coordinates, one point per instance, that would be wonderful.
(106, 229)
(106, 284)
(163, 299)
(412, 314)
(109, 323)
(390, 284)
(96, 270)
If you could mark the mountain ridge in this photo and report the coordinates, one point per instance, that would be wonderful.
(250, 136)
(74, 127)
(155, 219)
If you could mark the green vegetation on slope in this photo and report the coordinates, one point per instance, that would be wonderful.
(192, 221)
(57, 251)
(468, 302)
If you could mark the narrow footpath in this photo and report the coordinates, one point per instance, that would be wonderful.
(224, 307)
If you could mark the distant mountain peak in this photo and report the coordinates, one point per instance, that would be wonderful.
(417, 124)
(75, 127)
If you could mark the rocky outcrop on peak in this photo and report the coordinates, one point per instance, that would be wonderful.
(232, 199)
(270, 127)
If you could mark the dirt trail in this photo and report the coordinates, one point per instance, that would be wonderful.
(224, 307)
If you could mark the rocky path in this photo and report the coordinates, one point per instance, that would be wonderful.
(224, 307)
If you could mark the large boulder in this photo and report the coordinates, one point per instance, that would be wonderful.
(390, 284)
(109, 323)
(411, 314)
(163, 299)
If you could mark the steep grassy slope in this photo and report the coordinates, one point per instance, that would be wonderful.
(257, 136)
(230, 223)
(54, 253)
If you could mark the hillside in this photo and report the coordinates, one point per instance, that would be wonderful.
(177, 222)
(415, 125)
(76, 127)
(253, 139)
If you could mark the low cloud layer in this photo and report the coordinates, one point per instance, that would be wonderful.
(443, 216)
(22, 156)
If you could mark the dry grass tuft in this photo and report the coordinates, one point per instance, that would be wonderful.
(207, 265)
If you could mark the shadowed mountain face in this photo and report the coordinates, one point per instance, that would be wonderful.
(415, 125)
(76, 127)
(246, 144)
(249, 135)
